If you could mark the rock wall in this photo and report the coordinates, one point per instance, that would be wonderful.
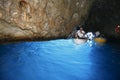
(41, 19)
(104, 16)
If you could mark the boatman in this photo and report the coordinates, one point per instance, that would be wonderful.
(80, 33)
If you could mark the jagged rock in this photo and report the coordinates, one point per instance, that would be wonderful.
(42, 19)
(12, 32)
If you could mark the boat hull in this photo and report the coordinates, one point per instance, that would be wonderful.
(100, 40)
(80, 41)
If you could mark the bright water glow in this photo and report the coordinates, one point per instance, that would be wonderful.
(59, 60)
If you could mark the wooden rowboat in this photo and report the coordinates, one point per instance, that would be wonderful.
(80, 41)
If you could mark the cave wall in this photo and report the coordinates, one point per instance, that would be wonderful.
(104, 16)
(42, 19)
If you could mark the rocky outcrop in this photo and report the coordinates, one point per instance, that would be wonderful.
(43, 19)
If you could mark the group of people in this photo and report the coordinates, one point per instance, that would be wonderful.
(89, 35)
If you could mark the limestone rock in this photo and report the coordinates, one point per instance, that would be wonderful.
(44, 19)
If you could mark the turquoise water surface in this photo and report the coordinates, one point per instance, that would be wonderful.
(59, 60)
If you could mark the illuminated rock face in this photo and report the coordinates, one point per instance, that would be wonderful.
(43, 19)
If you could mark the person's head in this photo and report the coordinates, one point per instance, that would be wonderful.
(118, 26)
(81, 28)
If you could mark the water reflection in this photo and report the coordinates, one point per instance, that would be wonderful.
(59, 60)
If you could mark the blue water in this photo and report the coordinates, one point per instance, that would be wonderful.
(59, 60)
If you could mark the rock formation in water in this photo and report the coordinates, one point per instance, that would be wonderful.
(41, 19)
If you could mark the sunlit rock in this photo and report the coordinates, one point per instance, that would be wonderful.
(45, 19)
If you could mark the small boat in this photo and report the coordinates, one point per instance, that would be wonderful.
(100, 40)
(80, 41)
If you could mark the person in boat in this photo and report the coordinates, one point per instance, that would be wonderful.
(80, 33)
(117, 29)
(97, 34)
(89, 36)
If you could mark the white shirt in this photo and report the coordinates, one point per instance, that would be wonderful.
(80, 33)
(89, 35)
(97, 33)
